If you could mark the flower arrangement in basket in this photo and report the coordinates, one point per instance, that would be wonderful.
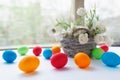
(83, 34)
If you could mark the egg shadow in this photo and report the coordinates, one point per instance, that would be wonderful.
(6, 63)
(62, 69)
(112, 67)
(88, 69)
(35, 73)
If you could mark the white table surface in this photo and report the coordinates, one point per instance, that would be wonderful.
(96, 71)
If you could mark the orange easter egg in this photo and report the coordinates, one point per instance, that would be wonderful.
(29, 64)
(56, 49)
(82, 60)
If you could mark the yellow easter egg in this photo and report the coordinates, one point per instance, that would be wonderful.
(29, 64)
(82, 60)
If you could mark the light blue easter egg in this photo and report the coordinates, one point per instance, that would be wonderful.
(110, 59)
(9, 56)
(47, 53)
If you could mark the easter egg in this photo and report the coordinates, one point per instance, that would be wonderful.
(110, 59)
(97, 53)
(56, 49)
(29, 64)
(47, 53)
(82, 60)
(22, 50)
(9, 56)
(37, 50)
(104, 47)
(59, 60)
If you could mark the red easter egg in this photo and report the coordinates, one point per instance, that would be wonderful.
(59, 60)
(37, 50)
(104, 47)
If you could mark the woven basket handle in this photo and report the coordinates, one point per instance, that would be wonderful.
(86, 30)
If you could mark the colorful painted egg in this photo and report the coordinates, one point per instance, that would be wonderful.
(9, 56)
(104, 47)
(47, 53)
(22, 50)
(97, 53)
(29, 64)
(110, 59)
(59, 60)
(37, 50)
(82, 60)
(56, 49)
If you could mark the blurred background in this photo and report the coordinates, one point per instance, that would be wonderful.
(27, 22)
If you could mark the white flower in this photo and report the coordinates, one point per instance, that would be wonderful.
(81, 12)
(99, 39)
(83, 38)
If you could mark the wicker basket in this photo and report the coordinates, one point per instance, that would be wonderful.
(71, 45)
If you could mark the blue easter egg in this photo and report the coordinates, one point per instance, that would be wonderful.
(110, 59)
(9, 56)
(47, 53)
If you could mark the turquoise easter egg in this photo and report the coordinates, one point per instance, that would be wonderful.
(110, 59)
(9, 56)
(47, 53)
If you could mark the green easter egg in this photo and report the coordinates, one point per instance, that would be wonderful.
(22, 50)
(97, 53)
